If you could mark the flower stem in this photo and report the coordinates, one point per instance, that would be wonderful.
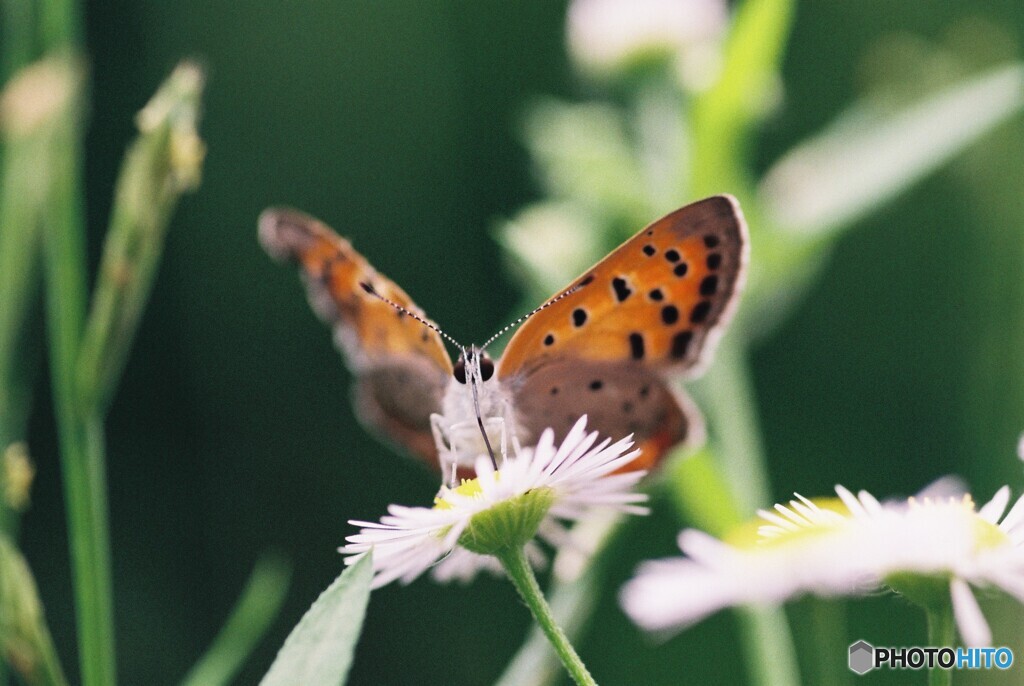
(80, 435)
(729, 395)
(519, 571)
(573, 593)
(941, 632)
(733, 409)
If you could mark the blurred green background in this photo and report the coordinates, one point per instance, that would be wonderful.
(398, 123)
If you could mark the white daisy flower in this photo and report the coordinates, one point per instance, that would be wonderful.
(544, 487)
(850, 546)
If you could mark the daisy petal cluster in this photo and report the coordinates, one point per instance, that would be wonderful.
(542, 489)
(846, 546)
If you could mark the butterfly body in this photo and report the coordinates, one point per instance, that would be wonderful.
(609, 346)
(476, 416)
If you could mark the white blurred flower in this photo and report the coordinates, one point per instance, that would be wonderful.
(849, 546)
(605, 35)
(540, 489)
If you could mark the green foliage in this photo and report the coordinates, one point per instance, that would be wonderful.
(319, 649)
(25, 642)
(879, 340)
(256, 608)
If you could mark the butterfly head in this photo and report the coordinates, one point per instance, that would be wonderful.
(473, 366)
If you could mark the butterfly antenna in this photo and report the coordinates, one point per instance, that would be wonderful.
(430, 325)
(549, 303)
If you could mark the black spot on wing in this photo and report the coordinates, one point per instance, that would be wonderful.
(680, 344)
(709, 285)
(621, 288)
(700, 311)
(636, 346)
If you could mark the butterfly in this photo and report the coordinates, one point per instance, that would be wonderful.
(611, 345)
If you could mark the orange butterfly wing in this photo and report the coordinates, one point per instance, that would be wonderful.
(401, 366)
(651, 308)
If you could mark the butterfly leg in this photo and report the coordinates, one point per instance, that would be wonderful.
(509, 428)
(461, 441)
(497, 425)
(446, 457)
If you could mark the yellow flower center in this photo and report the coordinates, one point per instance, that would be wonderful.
(747, 535)
(469, 488)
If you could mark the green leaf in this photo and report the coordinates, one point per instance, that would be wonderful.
(870, 155)
(319, 649)
(256, 608)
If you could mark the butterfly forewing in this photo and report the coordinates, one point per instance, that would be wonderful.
(401, 365)
(649, 310)
(654, 300)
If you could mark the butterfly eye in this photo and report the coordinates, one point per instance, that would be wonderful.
(460, 370)
(486, 367)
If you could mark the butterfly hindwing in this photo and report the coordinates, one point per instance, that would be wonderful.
(618, 399)
(401, 366)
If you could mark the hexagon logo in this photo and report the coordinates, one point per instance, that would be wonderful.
(862, 657)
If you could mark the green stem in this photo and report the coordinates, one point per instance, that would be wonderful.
(941, 632)
(573, 594)
(19, 249)
(729, 394)
(519, 571)
(81, 438)
(59, 25)
(827, 628)
(17, 38)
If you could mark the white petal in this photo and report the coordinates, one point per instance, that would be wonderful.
(1009, 581)
(870, 503)
(969, 620)
(791, 515)
(993, 509)
(851, 502)
(1014, 517)
(777, 520)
